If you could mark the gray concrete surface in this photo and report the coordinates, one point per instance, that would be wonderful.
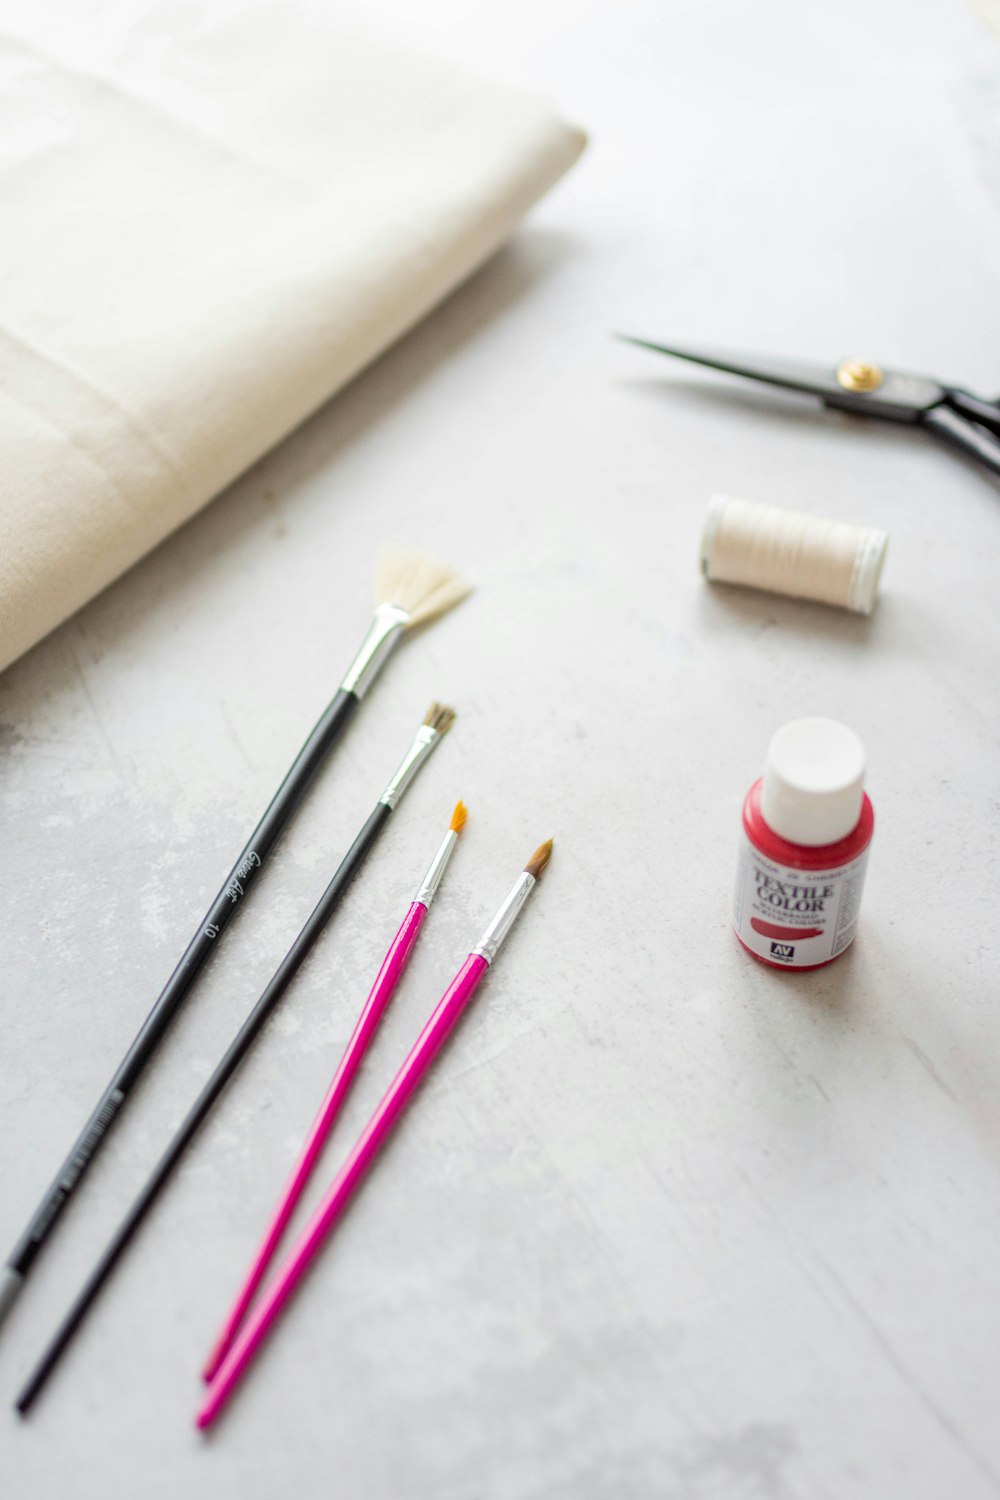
(663, 1223)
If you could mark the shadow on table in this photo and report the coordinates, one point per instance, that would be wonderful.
(149, 589)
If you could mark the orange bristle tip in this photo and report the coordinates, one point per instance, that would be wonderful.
(458, 817)
(536, 864)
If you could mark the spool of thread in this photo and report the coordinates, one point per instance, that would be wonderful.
(788, 552)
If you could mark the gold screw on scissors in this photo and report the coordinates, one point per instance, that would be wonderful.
(955, 416)
(858, 375)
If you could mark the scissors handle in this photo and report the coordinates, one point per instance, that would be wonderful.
(972, 438)
(986, 413)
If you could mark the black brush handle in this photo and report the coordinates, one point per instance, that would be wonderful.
(237, 1050)
(234, 891)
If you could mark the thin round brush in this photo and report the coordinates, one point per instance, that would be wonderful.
(410, 591)
(428, 736)
(332, 1206)
(374, 1008)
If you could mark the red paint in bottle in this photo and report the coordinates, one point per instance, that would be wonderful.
(807, 825)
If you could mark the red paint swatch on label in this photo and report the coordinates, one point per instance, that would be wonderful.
(783, 934)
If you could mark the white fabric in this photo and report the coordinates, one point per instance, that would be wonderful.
(210, 223)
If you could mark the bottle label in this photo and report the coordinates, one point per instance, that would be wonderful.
(796, 918)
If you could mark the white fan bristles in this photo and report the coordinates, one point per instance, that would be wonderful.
(421, 585)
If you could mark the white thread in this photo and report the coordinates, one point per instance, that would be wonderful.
(788, 552)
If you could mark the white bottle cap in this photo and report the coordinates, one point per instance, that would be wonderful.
(813, 782)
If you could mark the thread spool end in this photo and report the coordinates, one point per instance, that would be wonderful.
(868, 567)
(713, 517)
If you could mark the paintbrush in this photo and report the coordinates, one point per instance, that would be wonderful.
(332, 1206)
(374, 1008)
(410, 590)
(428, 736)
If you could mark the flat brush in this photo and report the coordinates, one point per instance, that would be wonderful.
(372, 1012)
(428, 736)
(410, 590)
(331, 1208)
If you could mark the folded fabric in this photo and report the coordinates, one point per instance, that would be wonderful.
(212, 221)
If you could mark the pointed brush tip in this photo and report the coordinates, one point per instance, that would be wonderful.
(458, 817)
(536, 864)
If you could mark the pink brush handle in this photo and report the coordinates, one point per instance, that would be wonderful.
(338, 1195)
(381, 993)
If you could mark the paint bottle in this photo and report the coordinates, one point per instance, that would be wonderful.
(807, 825)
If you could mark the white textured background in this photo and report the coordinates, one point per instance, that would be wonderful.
(664, 1223)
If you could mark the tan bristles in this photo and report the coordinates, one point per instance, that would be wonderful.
(439, 717)
(421, 585)
(458, 817)
(536, 864)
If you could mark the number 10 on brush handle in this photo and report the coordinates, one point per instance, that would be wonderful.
(234, 890)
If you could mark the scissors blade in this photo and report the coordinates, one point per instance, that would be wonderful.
(900, 398)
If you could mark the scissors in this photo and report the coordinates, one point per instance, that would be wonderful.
(966, 422)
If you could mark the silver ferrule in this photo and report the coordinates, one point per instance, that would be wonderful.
(489, 944)
(423, 743)
(387, 626)
(428, 886)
